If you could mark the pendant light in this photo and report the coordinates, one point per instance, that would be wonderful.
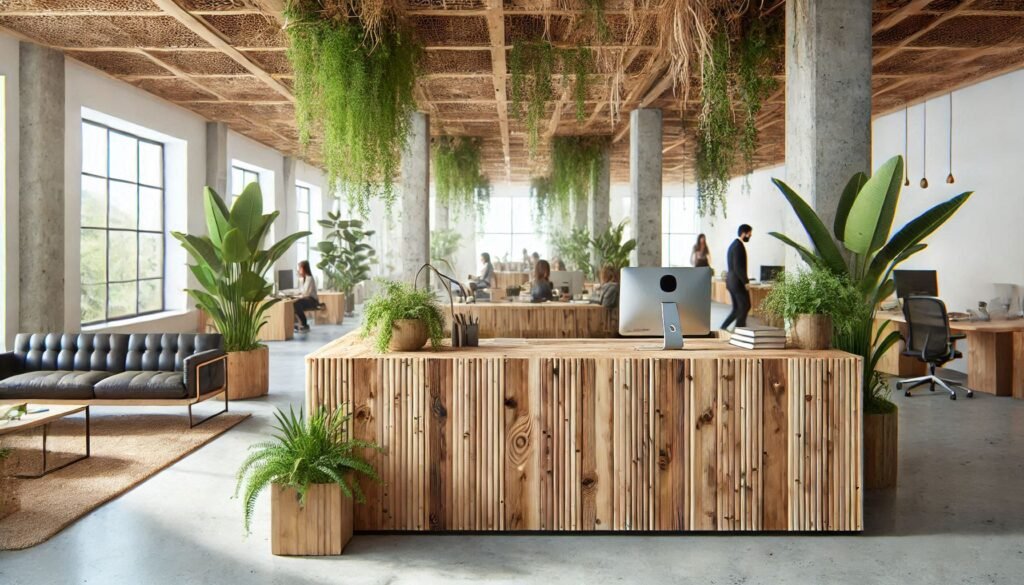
(949, 178)
(924, 148)
(906, 139)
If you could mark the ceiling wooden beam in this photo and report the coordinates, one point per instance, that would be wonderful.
(496, 31)
(204, 31)
(897, 16)
(919, 33)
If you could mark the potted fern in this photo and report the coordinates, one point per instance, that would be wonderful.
(402, 318)
(231, 266)
(814, 303)
(310, 467)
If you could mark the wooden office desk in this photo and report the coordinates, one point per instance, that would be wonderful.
(280, 325)
(334, 313)
(555, 320)
(995, 354)
(596, 435)
(758, 292)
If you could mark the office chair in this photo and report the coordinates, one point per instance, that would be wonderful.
(929, 341)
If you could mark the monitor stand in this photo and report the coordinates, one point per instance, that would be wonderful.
(672, 327)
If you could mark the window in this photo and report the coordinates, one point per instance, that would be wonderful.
(122, 238)
(240, 179)
(509, 228)
(678, 229)
(302, 212)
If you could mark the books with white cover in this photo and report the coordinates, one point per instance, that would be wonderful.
(758, 344)
(759, 332)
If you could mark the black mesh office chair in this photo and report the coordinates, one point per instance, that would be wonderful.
(929, 341)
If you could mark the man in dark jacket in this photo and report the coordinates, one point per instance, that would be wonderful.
(736, 280)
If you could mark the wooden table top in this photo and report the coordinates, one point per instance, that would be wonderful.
(353, 346)
(54, 412)
(1004, 326)
(523, 306)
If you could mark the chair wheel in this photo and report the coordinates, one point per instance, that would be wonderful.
(952, 396)
(970, 393)
(899, 385)
(907, 393)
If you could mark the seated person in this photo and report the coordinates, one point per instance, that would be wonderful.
(608, 294)
(307, 295)
(534, 259)
(541, 288)
(557, 264)
(486, 277)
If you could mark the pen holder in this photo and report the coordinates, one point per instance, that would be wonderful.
(466, 335)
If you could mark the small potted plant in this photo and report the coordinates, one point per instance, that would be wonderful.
(310, 467)
(402, 318)
(815, 303)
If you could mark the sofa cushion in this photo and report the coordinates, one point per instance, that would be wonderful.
(58, 384)
(142, 385)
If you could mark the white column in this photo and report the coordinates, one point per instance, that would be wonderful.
(645, 184)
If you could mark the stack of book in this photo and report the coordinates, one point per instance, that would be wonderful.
(759, 338)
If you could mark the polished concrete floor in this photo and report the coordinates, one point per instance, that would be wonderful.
(957, 517)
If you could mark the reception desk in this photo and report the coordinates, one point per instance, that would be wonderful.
(555, 320)
(598, 435)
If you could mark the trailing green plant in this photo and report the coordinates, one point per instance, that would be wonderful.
(458, 180)
(305, 452)
(816, 291)
(717, 128)
(396, 301)
(443, 246)
(353, 94)
(574, 164)
(540, 193)
(231, 266)
(594, 14)
(532, 65)
(863, 226)
(610, 249)
(756, 51)
(574, 248)
(345, 255)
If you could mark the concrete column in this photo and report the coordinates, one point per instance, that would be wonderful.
(828, 102)
(41, 203)
(415, 246)
(645, 184)
(217, 164)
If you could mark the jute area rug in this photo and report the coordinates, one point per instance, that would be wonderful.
(126, 450)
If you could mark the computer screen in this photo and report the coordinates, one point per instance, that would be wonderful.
(643, 290)
(285, 279)
(570, 278)
(916, 282)
(771, 273)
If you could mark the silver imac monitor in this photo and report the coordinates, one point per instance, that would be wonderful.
(647, 297)
(570, 278)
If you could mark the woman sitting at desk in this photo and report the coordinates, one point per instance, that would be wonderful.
(541, 288)
(608, 295)
(307, 295)
(486, 278)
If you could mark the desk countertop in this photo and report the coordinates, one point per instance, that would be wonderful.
(1005, 326)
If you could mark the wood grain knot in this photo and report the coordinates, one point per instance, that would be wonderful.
(437, 407)
(588, 482)
(511, 403)
(777, 387)
(705, 418)
(808, 397)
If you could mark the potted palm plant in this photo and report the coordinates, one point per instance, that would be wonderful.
(863, 226)
(231, 267)
(345, 256)
(402, 318)
(310, 467)
(816, 303)
(610, 249)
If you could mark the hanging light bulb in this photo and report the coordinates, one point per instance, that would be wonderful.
(906, 139)
(949, 178)
(924, 148)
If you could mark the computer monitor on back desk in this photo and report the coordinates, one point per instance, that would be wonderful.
(285, 280)
(915, 282)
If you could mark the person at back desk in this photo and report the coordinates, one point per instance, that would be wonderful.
(608, 295)
(307, 295)
(541, 288)
(736, 280)
(486, 277)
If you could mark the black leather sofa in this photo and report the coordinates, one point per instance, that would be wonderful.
(115, 369)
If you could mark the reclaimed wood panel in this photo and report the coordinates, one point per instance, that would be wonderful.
(539, 320)
(706, 439)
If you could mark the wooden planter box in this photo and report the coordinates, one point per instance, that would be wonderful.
(812, 332)
(881, 450)
(322, 527)
(248, 373)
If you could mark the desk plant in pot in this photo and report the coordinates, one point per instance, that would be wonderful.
(815, 303)
(402, 318)
(345, 256)
(862, 227)
(310, 467)
(231, 267)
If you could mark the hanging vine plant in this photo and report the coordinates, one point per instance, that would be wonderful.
(717, 130)
(754, 82)
(540, 193)
(574, 161)
(353, 94)
(458, 181)
(533, 65)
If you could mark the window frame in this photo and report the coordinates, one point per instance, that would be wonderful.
(138, 184)
(245, 171)
(299, 188)
(511, 232)
(673, 230)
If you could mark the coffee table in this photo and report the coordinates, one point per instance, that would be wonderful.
(53, 413)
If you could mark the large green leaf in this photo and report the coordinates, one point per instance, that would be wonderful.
(201, 249)
(247, 211)
(262, 229)
(217, 224)
(251, 286)
(235, 248)
(205, 276)
(816, 230)
(278, 249)
(870, 218)
(849, 195)
(880, 348)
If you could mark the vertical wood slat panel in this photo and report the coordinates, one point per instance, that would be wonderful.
(775, 458)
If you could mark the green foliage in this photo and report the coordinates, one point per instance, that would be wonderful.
(754, 83)
(397, 301)
(355, 96)
(574, 248)
(593, 11)
(458, 181)
(717, 142)
(4, 453)
(345, 257)
(816, 291)
(304, 453)
(231, 265)
(532, 65)
(610, 249)
(540, 193)
(574, 164)
(863, 225)
(443, 246)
